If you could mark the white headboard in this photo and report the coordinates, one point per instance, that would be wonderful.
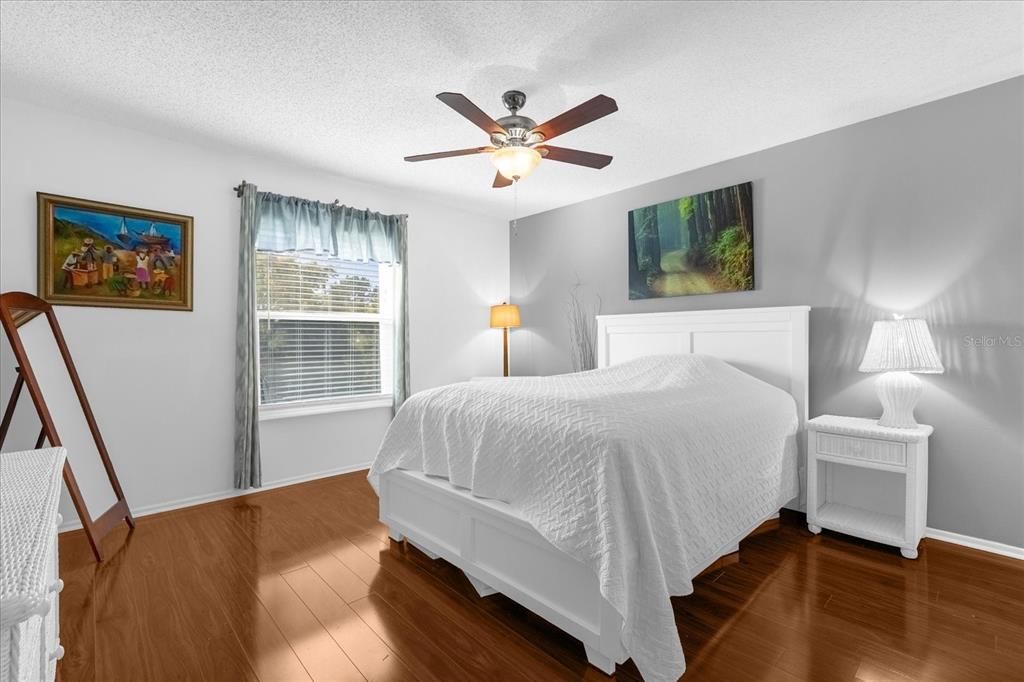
(769, 343)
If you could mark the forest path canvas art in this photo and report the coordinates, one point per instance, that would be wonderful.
(699, 244)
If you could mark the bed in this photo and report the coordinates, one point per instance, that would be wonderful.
(582, 499)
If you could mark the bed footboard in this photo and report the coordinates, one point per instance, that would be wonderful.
(499, 552)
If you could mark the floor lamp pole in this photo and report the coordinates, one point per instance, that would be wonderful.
(505, 348)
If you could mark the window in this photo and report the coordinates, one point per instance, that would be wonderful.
(325, 329)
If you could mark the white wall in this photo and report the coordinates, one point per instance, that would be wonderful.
(172, 440)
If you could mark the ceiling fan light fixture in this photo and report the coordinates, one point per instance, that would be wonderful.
(515, 163)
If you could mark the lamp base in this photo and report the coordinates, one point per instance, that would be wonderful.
(898, 393)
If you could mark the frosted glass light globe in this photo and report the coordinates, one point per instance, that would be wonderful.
(515, 163)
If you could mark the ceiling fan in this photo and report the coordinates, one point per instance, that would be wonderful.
(518, 143)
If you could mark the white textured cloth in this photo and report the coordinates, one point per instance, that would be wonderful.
(30, 484)
(642, 471)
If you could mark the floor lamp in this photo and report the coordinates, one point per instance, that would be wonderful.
(505, 317)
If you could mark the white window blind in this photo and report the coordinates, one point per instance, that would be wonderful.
(325, 328)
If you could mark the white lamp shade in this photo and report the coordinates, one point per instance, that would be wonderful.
(901, 346)
(515, 163)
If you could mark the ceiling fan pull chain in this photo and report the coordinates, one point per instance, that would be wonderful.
(515, 208)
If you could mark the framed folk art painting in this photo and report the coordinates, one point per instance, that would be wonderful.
(97, 254)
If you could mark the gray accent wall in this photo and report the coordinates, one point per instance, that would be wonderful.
(918, 212)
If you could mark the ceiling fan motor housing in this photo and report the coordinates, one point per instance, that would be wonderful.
(517, 131)
(517, 128)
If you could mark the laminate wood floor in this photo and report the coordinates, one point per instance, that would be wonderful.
(302, 583)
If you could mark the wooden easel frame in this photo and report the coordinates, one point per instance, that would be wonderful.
(17, 308)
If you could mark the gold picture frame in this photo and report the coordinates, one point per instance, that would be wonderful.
(93, 253)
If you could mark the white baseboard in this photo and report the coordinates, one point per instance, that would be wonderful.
(976, 543)
(74, 523)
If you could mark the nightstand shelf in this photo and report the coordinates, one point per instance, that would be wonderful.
(871, 525)
(868, 480)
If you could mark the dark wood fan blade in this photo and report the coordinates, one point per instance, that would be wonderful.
(461, 104)
(575, 156)
(589, 111)
(501, 181)
(445, 155)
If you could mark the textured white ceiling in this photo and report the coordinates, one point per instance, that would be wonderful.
(349, 87)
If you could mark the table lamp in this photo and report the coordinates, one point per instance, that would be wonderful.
(505, 317)
(900, 348)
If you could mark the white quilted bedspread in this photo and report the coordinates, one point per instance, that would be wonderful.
(642, 471)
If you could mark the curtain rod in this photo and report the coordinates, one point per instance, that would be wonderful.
(238, 192)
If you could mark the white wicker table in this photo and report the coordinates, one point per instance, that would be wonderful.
(30, 484)
(835, 444)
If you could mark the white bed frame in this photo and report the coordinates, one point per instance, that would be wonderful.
(500, 552)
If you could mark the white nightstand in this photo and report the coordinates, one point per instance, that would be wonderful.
(868, 480)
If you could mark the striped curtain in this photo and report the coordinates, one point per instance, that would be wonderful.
(248, 471)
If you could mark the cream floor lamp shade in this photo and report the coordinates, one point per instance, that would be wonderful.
(899, 348)
(504, 316)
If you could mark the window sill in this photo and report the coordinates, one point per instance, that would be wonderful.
(289, 410)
